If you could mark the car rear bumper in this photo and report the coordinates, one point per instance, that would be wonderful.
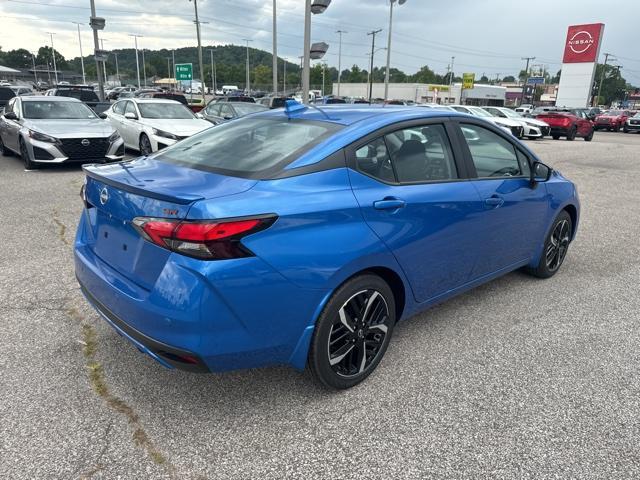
(219, 315)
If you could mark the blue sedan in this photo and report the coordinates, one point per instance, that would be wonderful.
(301, 236)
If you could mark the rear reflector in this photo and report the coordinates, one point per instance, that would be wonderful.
(207, 240)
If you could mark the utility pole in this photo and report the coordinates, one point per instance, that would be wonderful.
(373, 49)
(451, 80)
(526, 71)
(284, 78)
(213, 78)
(497, 78)
(117, 69)
(144, 68)
(275, 51)
(84, 78)
(168, 67)
(248, 79)
(604, 68)
(35, 74)
(53, 50)
(340, 32)
(135, 37)
(201, 66)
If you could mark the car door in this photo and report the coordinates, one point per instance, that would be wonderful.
(415, 195)
(11, 128)
(583, 124)
(115, 115)
(514, 211)
(130, 126)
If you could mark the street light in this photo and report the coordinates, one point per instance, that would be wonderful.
(105, 62)
(200, 63)
(213, 73)
(97, 23)
(248, 80)
(340, 32)
(135, 37)
(84, 78)
(275, 51)
(316, 7)
(53, 50)
(386, 77)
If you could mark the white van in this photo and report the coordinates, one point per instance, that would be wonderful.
(229, 89)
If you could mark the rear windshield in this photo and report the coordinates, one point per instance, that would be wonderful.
(250, 147)
(6, 93)
(82, 95)
(247, 108)
(56, 110)
(171, 96)
(165, 110)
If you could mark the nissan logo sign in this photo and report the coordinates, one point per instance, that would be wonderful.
(581, 42)
(85, 142)
(104, 195)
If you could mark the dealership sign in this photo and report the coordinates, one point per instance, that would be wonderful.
(583, 42)
(468, 80)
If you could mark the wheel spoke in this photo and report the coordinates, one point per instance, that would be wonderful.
(343, 319)
(361, 361)
(370, 302)
(346, 349)
(381, 326)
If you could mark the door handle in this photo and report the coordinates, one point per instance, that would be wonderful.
(389, 203)
(494, 201)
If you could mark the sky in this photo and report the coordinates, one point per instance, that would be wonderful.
(484, 36)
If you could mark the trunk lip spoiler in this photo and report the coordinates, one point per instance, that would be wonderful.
(186, 199)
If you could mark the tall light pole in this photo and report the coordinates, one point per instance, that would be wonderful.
(84, 78)
(526, 79)
(340, 32)
(97, 23)
(144, 68)
(117, 69)
(316, 7)
(386, 76)
(275, 51)
(604, 68)
(200, 63)
(451, 80)
(105, 62)
(53, 50)
(284, 78)
(213, 77)
(135, 38)
(373, 51)
(35, 74)
(248, 80)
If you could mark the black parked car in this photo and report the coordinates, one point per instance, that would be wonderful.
(84, 93)
(6, 94)
(273, 102)
(235, 98)
(219, 112)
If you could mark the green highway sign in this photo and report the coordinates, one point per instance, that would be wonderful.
(184, 71)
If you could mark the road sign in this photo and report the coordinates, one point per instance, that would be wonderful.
(535, 81)
(467, 80)
(184, 71)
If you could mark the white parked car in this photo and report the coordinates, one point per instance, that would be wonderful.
(513, 127)
(435, 106)
(525, 108)
(151, 124)
(532, 128)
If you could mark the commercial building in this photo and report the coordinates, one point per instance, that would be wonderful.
(428, 93)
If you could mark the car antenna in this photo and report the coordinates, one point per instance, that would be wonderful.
(291, 106)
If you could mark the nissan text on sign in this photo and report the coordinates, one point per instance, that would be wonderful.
(581, 51)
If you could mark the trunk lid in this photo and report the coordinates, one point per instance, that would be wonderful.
(555, 119)
(121, 192)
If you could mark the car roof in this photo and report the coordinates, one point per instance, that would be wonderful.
(153, 100)
(49, 98)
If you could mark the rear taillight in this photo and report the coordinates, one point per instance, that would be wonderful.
(566, 122)
(207, 240)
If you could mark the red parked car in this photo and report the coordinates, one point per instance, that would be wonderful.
(613, 120)
(568, 123)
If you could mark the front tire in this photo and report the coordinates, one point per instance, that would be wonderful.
(145, 145)
(24, 153)
(352, 333)
(589, 137)
(555, 247)
(571, 136)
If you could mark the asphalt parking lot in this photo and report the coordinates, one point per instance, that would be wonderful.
(520, 378)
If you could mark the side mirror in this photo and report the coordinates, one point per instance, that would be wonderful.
(540, 173)
(228, 117)
(103, 115)
(131, 116)
(11, 116)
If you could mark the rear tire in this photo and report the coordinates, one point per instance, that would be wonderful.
(352, 333)
(24, 153)
(555, 137)
(4, 150)
(555, 247)
(571, 136)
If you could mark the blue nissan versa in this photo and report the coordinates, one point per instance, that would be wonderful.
(301, 235)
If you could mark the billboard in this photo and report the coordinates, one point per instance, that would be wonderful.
(582, 43)
(581, 50)
(467, 80)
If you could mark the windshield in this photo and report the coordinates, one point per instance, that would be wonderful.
(164, 110)
(510, 113)
(247, 108)
(250, 147)
(637, 115)
(480, 112)
(56, 110)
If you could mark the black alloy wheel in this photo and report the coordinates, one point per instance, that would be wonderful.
(24, 153)
(353, 332)
(555, 247)
(145, 145)
(571, 136)
(589, 137)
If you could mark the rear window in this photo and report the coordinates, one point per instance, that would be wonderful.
(82, 95)
(6, 93)
(249, 148)
(247, 108)
(171, 96)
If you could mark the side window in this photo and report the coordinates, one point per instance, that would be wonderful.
(421, 154)
(119, 108)
(373, 160)
(214, 109)
(525, 166)
(9, 107)
(130, 108)
(225, 111)
(492, 155)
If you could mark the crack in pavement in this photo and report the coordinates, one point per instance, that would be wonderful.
(98, 382)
